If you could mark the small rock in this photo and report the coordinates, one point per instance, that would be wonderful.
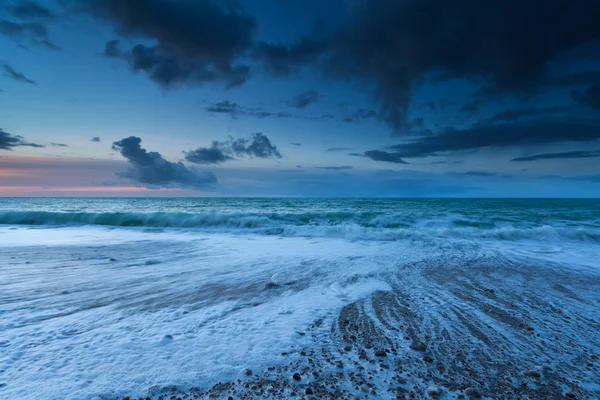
(473, 393)
(427, 358)
(339, 364)
(530, 328)
(380, 353)
(434, 391)
(296, 376)
(418, 346)
(532, 374)
(347, 347)
(308, 391)
(248, 372)
(570, 395)
(112, 259)
(401, 380)
(271, 285)
(169, 337)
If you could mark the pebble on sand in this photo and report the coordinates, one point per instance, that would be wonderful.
(418, 346)
(380, 353)
(248, 371)
(532, 374)
(427, 358)
(434, 391)
(296, 376)
(473, 393)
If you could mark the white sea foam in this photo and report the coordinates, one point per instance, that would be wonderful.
(74, 324)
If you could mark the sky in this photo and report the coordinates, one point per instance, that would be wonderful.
(357, 98)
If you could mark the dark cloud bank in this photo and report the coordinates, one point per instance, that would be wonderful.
(150, 168)
(259, 146)
(389, 48)
(9, 141)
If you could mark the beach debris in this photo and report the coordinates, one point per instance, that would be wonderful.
(532, 374)
(473, 393)
(418, 347)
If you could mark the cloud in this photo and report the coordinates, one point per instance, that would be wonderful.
(29, 28)
(517, 114)
(378, 155)
(58, 144)
(591, 97)
(216, 154)
(474, 173)
(304, 99)
(193, 42)
(234, 110)
(17, 76)
(259, 146)
(296, 144)
(565, 155)
(587, 178)
(500, 135)
(9, 141)
(285, 59)
(360, 115)
(30, 10)
(390, 47)
(152, 169)
(335, 149)
(95, 139)
(340, 168)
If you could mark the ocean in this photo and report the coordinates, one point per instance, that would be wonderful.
(104, 298)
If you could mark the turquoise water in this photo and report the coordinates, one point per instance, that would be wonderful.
(375, 219)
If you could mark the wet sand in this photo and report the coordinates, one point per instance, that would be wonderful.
(493, 329)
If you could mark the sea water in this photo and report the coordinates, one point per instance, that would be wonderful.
(106, 297)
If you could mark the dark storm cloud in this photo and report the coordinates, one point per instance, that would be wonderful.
(30, 10)
(152, 169)
(565, 155)
(378, 155)
(335, 149)
(217, 153)
(235, 110)
(259, 146)
(17, 76)
(111, 49)
(284, 59)
(27, 24)
(517, 114)
(360, 115)
(58, 144)
(500, 135)
(95, 139)
(591, 97)
(195, 42)
(336, 168)
(392, 46)
(304, 99)
(8, 141)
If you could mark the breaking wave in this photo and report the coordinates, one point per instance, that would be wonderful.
(350, 225)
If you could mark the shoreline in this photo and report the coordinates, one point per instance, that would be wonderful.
(509, 332)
